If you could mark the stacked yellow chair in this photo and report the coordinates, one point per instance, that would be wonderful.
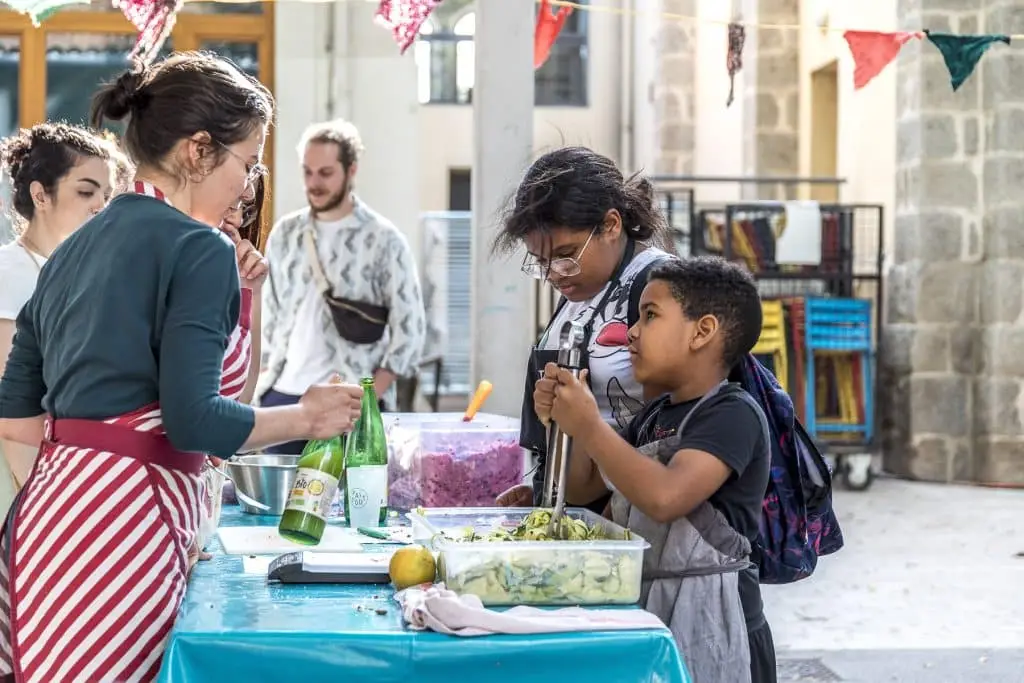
(772, 341)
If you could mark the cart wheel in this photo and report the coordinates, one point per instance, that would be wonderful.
(857, 473)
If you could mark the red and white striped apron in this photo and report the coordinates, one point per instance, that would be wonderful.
(94, 560)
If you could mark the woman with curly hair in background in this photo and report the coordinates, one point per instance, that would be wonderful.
(60, 176)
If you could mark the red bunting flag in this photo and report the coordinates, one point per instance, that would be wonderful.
(404, 19)
(549, 25)
(872, 51)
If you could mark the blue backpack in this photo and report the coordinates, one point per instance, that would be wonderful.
(797, 521)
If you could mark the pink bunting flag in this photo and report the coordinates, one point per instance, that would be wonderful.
(154, 20)
(404, 19)
(873, 51)
(549, 25)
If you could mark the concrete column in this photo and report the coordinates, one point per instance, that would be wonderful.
(502, 297)
(377, 92)
(301, 88)
(953, 403)
(998, 129)
(771, 95)
(675, 89)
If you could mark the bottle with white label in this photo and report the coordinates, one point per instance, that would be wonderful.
(366, 465)
(318, 473)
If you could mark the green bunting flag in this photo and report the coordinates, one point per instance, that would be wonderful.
(962, 53)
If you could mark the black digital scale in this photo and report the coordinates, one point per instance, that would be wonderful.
(305, 566)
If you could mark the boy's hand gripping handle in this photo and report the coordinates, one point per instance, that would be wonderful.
(570, 357)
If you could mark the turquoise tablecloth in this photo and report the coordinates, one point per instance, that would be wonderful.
(238, 627)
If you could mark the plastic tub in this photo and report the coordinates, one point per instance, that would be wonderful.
(600, 572)
(437, 460)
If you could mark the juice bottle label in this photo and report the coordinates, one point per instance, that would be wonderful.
(367, 493)
(312, 493)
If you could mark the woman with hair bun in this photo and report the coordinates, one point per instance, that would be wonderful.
(591, 233)
(121, 367)
(60, 176)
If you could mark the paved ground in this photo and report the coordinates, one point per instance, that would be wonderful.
(929, 589)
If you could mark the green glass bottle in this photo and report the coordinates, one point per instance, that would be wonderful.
(318, 473)
(366, 465)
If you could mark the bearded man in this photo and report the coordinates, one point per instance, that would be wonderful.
(343, 296)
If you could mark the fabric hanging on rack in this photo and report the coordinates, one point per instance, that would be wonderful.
(962, 53)
(549, 25)
(404, 19)
(873, 51)
(154, 20)
(799, 242)
(734, 56)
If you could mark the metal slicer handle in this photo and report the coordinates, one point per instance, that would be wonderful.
(570, 357)
(548, 494)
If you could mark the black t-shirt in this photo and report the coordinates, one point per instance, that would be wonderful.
(727, 427)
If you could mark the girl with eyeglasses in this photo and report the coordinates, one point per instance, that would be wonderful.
(245, 226)
(590, 233)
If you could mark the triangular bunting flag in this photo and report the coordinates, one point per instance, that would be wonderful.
(873, 51)
(40, 10)
(734, 55)
(404, 19)
(549, 25)
(154, 20)
(962, 53)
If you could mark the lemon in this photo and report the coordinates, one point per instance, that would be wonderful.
(411, 566)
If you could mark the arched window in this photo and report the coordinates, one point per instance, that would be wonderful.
(446, 56)
(423, 62)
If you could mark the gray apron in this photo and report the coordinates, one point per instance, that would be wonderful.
(691, 577)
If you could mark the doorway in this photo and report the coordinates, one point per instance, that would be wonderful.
(825, 131)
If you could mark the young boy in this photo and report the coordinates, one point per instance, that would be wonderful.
(689, 473)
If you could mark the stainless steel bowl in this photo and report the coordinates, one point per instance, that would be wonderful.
(266, 478)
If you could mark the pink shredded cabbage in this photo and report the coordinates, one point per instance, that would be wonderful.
(445, 478)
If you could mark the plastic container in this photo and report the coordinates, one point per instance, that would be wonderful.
(601, 572)
(437, 460)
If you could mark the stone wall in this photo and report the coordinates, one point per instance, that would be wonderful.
(771, 95)
(953, 338)
(675, 90)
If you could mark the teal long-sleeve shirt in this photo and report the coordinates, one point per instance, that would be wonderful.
(134, 308)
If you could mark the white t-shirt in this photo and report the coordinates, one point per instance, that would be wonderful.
(618, 395)
(308, 358)
(19, 271)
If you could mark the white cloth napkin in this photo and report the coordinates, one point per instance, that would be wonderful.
(436, 608)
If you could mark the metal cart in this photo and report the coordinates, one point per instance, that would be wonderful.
(820, 319)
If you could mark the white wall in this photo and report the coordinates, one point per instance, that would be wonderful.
(719, 137)
(402, 136)
(373, 86)
(446, 131)
(867, 118)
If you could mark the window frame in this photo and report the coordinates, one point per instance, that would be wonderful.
(580, 38)
(191, 31)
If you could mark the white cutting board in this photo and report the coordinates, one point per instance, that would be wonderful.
(264, 540)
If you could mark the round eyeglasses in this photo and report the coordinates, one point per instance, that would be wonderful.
(566, 266)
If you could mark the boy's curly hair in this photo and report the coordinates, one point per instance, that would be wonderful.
(709, 285)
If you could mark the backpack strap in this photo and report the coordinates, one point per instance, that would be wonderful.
(636, 289)
(724, 389)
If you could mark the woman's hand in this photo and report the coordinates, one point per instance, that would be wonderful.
(574, 408)
(331, 409)
(519, 496)
(252, 265)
